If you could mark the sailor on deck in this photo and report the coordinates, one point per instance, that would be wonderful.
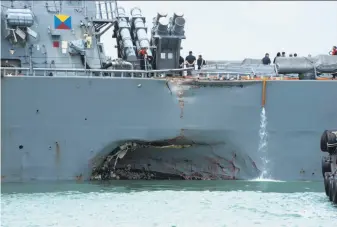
(190, 62)
(266, 59)
(277, 56)
(200, 62)
(144, 58)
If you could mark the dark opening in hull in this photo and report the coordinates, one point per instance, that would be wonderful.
(178, 160)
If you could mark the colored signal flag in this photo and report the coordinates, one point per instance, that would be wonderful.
(62, 22)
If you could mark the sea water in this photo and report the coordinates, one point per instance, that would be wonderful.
(167, 203)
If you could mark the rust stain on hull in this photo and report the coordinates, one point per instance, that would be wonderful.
(57, 145)
(264, 92)
(180, 95)
(57, 158)
(181, 105)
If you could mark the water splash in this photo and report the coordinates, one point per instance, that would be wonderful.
(260, 179)
(263, 146)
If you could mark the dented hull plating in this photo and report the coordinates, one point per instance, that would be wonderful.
(63, 127)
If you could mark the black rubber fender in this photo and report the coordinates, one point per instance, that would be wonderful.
(331, 188)
(332, 140)
(326, 183)
(329, 137)
(326, 165)
(324, 141)
(334, 191)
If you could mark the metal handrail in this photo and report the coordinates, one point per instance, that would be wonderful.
(99, 70)
(80, 72)
(224, 72)
(34, 71)
(208, 70)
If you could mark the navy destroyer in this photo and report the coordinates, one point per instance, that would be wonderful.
(69, 112)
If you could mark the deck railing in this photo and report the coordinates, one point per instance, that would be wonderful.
(238, 70)
(66, 72)
(201, 74)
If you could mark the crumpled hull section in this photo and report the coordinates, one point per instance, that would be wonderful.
(182, 160)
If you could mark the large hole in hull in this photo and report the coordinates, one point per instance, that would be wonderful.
(178, 160)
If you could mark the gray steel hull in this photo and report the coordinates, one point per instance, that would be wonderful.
(54, 128)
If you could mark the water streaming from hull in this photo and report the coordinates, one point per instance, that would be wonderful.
(263, 146)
